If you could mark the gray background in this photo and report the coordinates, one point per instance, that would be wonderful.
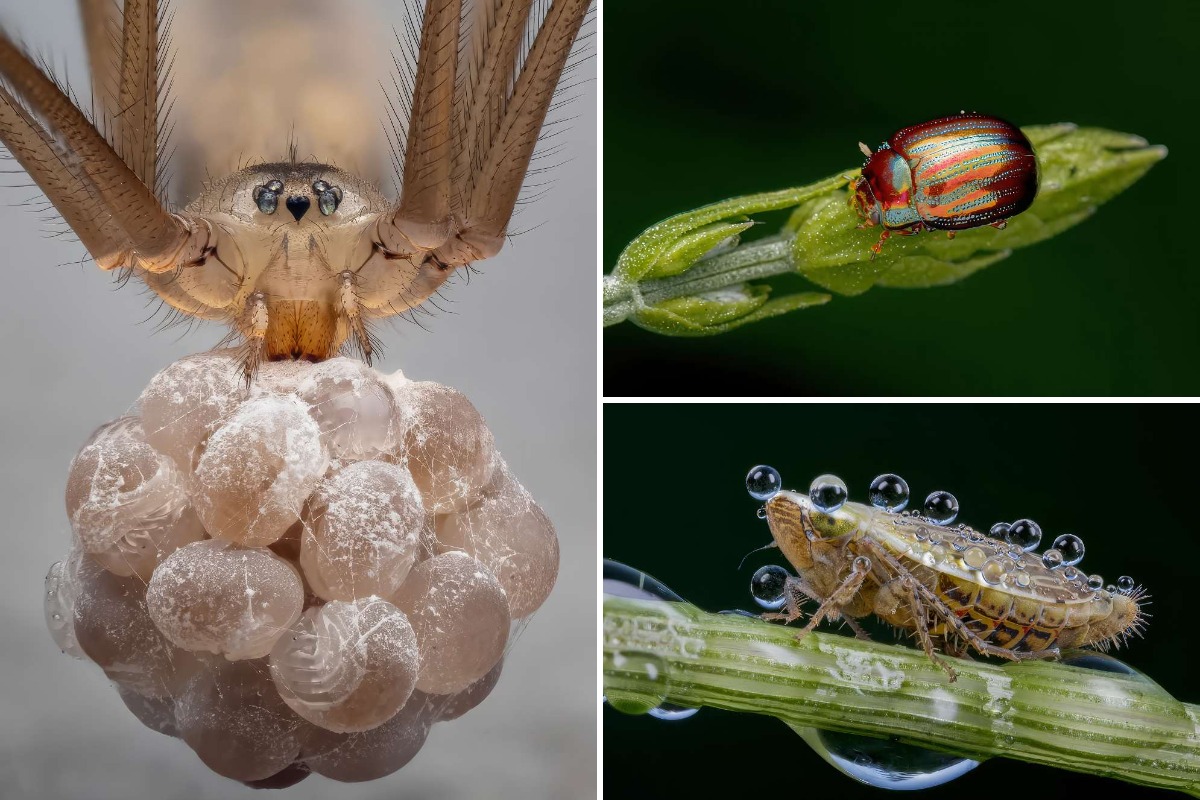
(520, 343)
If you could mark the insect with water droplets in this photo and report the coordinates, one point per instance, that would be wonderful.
(951, 174)
(297, 256)
(954, 588)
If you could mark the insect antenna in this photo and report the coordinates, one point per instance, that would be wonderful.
(756, 550)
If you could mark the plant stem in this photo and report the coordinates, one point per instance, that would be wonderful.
(761, 259)
(1125, 727)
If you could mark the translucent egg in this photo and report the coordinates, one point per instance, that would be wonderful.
(113, 627)
(453, 706)
(118, 483)
(184, 402)
(255, 471)
(449, 449)
(156, 713)
(59, 603)
(235, 721)
(361, 531)
(139, 551)
(510, 534)
(460, 614)
(355, 757)
(347, 666)
(354, 408)
(218, 597)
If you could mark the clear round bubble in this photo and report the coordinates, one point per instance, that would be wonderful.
(767, 586)
(828, 493)
(670, 712)
(1125, 584)
(1052, 558)
(889, 492)
(763, 482)
(999, 531)
(1071, 547)
(941, 507)
(1095, 582)
(1025, 534)
(622, 580)
(886, 763)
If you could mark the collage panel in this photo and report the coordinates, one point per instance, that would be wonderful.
(782, 184)
(1006, 533)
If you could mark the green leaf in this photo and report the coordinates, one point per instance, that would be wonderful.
(721, 310)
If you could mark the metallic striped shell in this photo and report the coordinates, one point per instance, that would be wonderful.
(953, 173)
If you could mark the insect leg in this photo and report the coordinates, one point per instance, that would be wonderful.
(908, 585)
(842, 595)
(795, 592)
(859, 633)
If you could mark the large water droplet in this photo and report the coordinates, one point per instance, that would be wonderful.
(763, 482)
(767, 586)
(941, 507)
(999, 531)
(974, 557)
(1071, 547)
(885, 763)
(1025, 534)
(828, 493)
(992, 571)
(1125, 584)
(1052, 559)
(889, 492)
(1095, 582)
(621, 580)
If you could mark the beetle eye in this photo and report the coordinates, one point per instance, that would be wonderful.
(328, 199)
(266, 198)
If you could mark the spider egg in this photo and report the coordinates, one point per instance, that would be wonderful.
(460, 614)
(184, 402)
(449, 449)
(355, 757)
(254, 473)
(354, 408)
(221, 598)
(347, 666)
(510, 534)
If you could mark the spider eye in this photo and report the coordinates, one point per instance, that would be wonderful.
(321, 186)
(267, 198)
(275, 186)
(329, 198)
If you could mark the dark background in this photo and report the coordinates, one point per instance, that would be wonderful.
(675, 506)
(775, 94)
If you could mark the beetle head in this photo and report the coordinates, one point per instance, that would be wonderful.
(862, 200)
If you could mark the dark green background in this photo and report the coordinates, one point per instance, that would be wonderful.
(675, 505)
(705, 100)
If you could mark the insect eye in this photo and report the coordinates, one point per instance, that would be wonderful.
(329, 198)
(267, 198)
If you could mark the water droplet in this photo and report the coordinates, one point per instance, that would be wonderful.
(941, 507)
(974, 536)
(992, 571)
(763, 482)
(935, 538)
(1070, 573)
(1125, 584)
(1052, 559)
(974, 557)
(1022, 580)
(737, 612)
(621, 580)
(672, 713)
(828, 493)
(999, 531)
(889, 492)
(651, 689)
(767, 586)
(761, 513)
(885, 763)
(1071, 547)
(922, 532)
(1090, 659)
(1111, 588)
(1025, 533)
(1095, 582)
(959, 543)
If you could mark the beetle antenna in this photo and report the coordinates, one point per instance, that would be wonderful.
(755, 550)
(866, 151)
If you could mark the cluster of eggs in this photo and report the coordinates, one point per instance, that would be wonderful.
(301, 574)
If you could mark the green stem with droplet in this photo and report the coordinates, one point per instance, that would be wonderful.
(1124, 727)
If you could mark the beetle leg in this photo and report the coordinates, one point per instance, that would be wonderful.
(842, 595)
(883, 237)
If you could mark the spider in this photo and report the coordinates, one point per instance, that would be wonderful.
(297, 257)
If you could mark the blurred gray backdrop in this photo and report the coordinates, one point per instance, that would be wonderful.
(519, 340)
